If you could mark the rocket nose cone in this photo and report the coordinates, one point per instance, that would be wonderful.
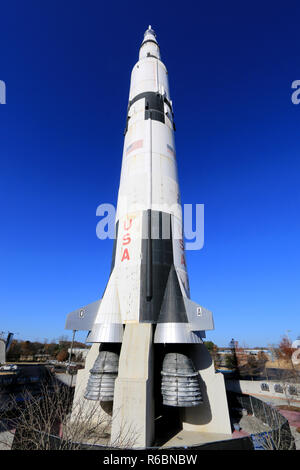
(150, 30)
(149, 34)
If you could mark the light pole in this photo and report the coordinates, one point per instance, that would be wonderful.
(71, 349)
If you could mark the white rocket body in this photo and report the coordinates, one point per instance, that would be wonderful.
(148, 280)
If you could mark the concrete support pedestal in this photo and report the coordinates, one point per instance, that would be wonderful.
(133, 410)
(212, 416)
(89, 412)
(130, 421)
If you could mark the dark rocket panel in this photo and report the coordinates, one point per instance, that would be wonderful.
(173, 308)
(161, 299)
(154, 106)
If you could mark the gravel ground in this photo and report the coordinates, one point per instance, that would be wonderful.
(6, 440)
(6, 436)
(252, 425)
(294, 422)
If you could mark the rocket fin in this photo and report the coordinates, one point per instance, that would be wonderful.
(83, 318)
(199, 317)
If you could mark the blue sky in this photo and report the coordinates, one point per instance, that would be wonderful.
(67, 69)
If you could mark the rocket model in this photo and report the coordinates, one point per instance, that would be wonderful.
(148, 282)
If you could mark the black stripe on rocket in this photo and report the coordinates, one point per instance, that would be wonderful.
(161, 298)
(154, 106)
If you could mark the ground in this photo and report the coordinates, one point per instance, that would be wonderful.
(6, 435)
(252, 425)
(282, 364)
(293, 418)
(249, 425)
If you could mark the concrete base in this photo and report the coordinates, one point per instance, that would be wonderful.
(133, 411)
(131, 421)
(212, 416)
(190, 438)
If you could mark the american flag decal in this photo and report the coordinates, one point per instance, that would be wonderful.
(171, 150)
(135, 145)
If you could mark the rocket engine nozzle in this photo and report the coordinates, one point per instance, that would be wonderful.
(180, 385)
(102, 377)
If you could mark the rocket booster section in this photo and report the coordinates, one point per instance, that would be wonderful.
(148, 280)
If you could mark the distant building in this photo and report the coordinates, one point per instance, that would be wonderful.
(248, 351)
(26, 357)
(255, 352)
(79, 352)
(42, 357)
(242, 354)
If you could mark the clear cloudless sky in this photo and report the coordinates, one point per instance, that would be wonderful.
(67, 65)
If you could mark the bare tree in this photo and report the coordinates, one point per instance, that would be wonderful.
(44, 422)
